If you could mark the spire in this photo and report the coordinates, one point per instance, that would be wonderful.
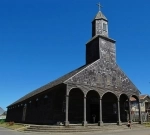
(100, 15)
(100, 24)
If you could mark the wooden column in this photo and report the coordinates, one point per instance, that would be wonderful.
(119, 121)
(129, 111)
(100, 123)
(140, 117)
(84, 122)
(67, 107)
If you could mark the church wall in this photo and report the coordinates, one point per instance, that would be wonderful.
(92, 51)
(104, 77)
(59, 105)
(14, 114)
(107, 51)
(48, 109)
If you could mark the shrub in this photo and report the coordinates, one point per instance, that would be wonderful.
(2, 121)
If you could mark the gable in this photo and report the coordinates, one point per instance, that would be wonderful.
(146, 99)
(105, 75)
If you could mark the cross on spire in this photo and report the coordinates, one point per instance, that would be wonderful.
(99, 6)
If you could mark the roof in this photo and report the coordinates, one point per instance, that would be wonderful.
(1, 111)
(141, 97)
(101, 36)
(49, 85)
(132, 99)
(100, 15)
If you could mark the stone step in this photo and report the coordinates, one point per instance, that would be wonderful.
(71, 130)
(68, 128)
(46, 128)
(62, 128)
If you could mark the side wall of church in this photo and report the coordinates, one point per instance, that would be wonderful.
(45, 108)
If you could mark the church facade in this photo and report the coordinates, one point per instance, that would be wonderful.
(97, 92)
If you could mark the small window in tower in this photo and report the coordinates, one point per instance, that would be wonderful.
(104, 26)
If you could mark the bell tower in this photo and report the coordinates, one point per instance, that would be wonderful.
(100, 46)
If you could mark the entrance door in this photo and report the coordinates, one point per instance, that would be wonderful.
(94, 109)
(93, 106)
(109, 108)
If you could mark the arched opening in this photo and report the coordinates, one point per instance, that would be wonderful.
(93, 100)
(76, 106)
(109, 108)
(124, 108)
(134, 101)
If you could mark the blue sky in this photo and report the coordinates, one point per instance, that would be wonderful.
(41, 40)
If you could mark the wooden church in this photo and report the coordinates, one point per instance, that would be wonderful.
(97, 92)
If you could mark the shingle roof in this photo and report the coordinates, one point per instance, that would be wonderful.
(49, 85)
(1, 111)
(141, 97)
(100, 15)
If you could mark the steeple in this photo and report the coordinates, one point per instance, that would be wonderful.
(100, 24)
(100, 46)
(100, 16)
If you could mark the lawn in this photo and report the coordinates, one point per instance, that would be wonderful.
(147, 124)
(13, 126)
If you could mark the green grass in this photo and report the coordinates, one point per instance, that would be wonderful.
(147, 124)
(12, 125)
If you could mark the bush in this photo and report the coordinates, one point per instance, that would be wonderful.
(2, 121)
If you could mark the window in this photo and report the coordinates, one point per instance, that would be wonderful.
(45, 99)
(30, 104)
(104, 26)
(142, 104)
(36, 102)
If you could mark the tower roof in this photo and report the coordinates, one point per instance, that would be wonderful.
(100, 15)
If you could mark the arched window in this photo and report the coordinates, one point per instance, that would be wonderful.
(104, 26)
